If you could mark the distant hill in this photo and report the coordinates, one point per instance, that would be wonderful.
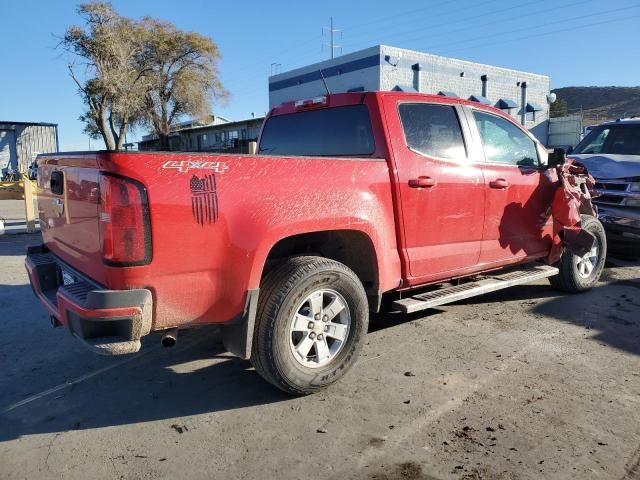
(601, 103)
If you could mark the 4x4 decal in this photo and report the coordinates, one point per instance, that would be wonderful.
(184, 166)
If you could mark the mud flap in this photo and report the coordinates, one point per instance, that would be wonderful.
(237, 337)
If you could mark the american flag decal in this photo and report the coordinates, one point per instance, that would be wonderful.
(204, 199)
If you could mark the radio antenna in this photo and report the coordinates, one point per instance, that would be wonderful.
(325, 82)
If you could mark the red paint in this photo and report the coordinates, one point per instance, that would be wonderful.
(428, 219)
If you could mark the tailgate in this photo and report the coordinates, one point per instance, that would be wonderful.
(68, 206)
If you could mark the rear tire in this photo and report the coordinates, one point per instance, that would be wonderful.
(311, 321)
(578, 274)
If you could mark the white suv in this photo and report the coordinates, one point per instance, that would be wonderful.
(611, 152)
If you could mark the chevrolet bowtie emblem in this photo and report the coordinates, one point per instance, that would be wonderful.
(58, 206)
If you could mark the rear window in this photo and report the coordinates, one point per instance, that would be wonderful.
(339, 131)
(432, 130)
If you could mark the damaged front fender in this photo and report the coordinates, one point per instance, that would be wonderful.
(571, 200)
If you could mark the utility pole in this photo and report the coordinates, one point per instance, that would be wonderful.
(276, 68)
(332, 31)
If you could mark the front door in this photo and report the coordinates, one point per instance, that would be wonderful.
(519, 193)
(441, 188)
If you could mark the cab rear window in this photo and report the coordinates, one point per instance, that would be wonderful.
(334, 132)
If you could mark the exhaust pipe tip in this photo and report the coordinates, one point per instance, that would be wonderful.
(169, 338)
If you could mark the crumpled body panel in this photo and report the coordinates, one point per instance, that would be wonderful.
(572, 199)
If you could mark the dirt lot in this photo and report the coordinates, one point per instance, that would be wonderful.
(519, 384)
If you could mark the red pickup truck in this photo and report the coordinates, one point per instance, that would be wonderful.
(352, 198)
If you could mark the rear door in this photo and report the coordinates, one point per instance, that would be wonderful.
(440, 186)
(518, 191)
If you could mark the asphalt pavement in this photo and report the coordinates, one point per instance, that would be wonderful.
(526, 383)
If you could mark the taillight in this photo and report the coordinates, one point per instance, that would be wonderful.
(124, 218)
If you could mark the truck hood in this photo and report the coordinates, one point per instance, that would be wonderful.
(611, 166)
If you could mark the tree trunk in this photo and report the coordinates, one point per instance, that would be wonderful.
(106, 136)
(164, 142)
(104, 130)
(121, 135)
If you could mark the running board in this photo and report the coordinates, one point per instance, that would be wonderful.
(485, 284)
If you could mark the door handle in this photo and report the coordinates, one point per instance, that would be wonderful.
(422, 182)
(499, 183)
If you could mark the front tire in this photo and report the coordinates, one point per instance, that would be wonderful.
(311, 321)
(578, 274)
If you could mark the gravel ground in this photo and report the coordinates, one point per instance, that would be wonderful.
(519, 384)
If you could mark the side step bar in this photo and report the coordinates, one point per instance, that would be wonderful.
(483, 284)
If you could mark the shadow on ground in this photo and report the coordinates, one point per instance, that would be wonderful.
(195, 377)
(16, 244)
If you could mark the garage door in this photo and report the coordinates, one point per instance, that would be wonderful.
(8, 150)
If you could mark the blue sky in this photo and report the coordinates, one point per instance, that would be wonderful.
(576, 42)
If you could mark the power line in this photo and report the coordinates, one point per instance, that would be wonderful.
(257, 92)
(520, 30)
(473, 17)
(261, 92)
(563, 21)
(400, 14)
(577, 27)
(279, 57)
(502, 20)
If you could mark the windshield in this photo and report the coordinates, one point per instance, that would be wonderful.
(611, 139)
(339, 131)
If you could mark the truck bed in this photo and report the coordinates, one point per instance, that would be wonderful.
(213, 218)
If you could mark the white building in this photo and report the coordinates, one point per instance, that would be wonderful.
(521, 94)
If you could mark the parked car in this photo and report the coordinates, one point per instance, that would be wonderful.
(611, 152)
(352, 198)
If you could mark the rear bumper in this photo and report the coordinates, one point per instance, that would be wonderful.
(109, 322)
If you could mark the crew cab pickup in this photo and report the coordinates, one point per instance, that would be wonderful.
(351, 198)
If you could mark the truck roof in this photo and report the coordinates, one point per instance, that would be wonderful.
(359, 97)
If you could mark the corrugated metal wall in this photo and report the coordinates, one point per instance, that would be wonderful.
(565, 131)
(30, 140)
(7, 149)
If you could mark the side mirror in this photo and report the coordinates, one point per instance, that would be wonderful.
(557, 158)
(569, 150)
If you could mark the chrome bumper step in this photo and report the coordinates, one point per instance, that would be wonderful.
(478, 286)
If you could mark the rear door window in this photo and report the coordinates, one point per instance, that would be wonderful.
(338, 131)
(432, 130)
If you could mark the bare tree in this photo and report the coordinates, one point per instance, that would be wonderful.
(139, 72)
(183, 76)
(113, 82)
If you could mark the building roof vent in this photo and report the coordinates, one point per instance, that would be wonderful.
(505, 104)
(534, 107)
(404, 88)
(480, 99)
